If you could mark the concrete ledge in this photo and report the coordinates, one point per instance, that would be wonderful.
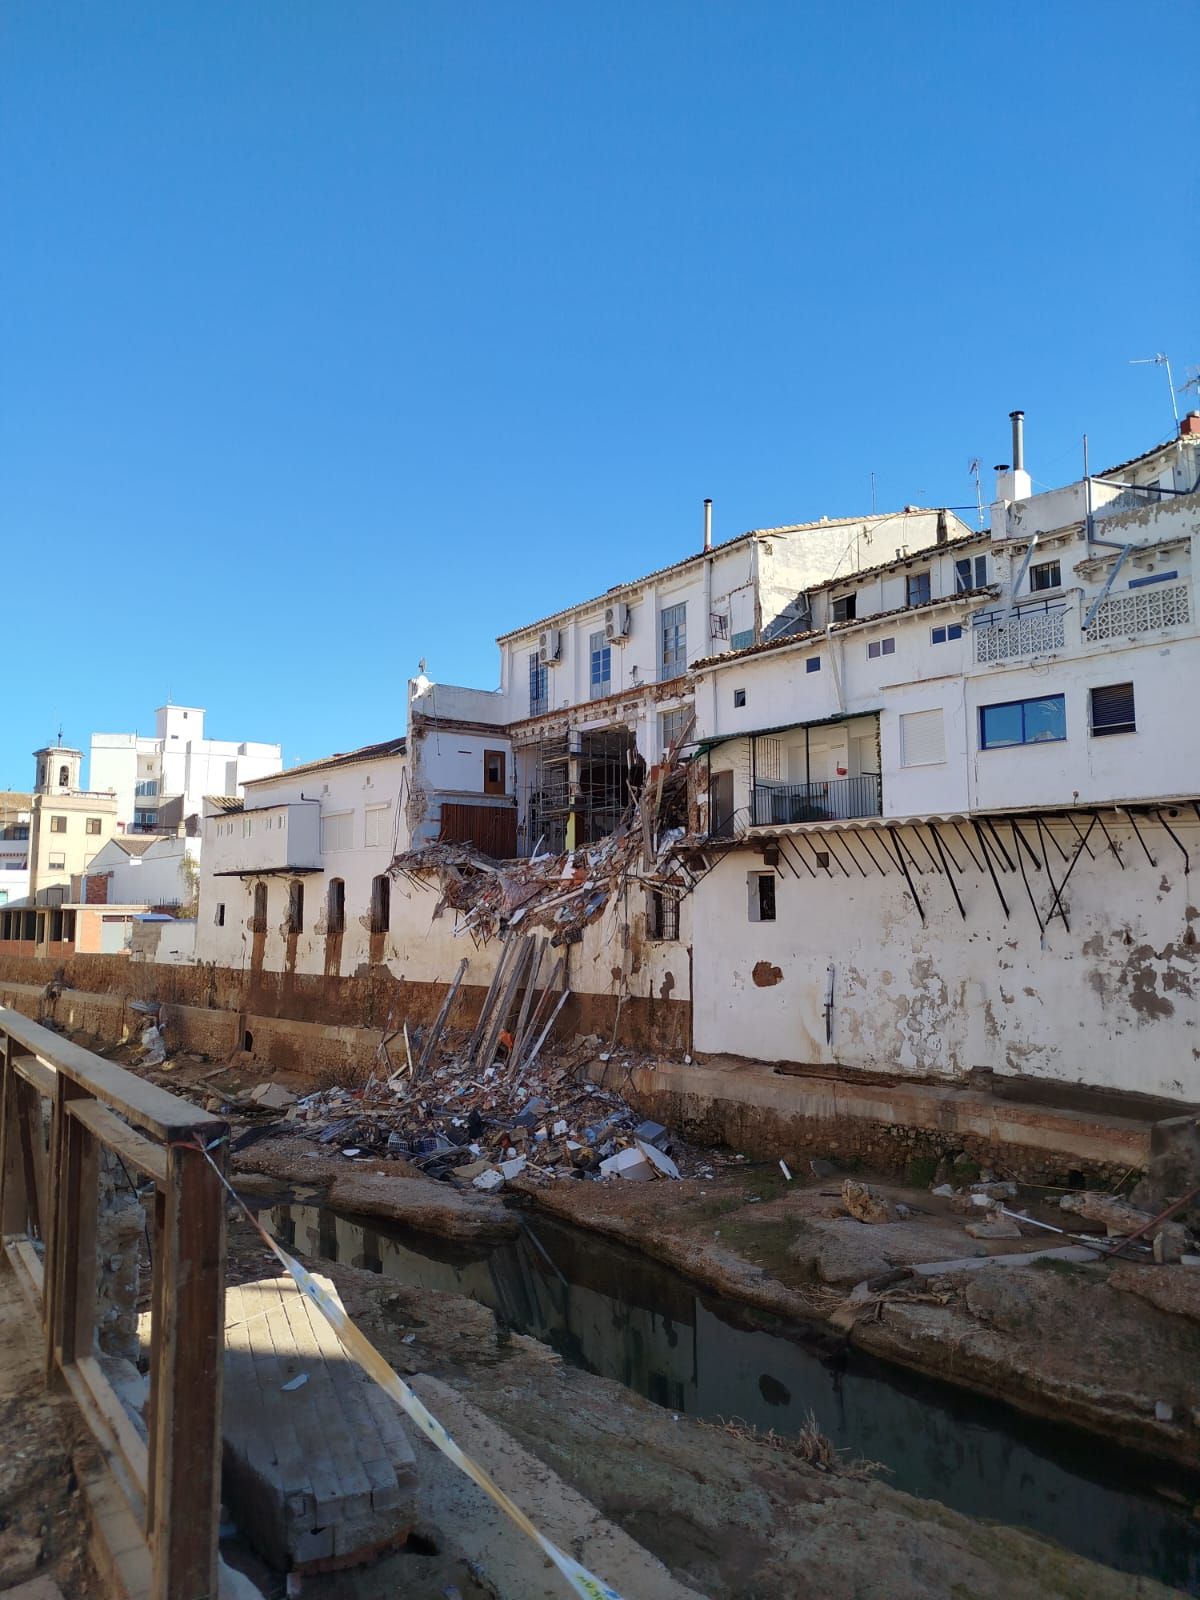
(764, 1113)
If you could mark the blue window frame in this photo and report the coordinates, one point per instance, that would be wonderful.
(673, 626)
(601, 673)
(1040, 721)
(813, 664)
(539, 686)
(952, 630)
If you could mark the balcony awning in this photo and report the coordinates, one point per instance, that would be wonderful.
(704, 745)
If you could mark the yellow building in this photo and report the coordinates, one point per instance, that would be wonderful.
(68, 825)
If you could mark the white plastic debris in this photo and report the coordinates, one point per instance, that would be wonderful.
(297, 1382)
(783, 1167)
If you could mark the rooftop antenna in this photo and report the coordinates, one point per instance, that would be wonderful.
(872, 494)
(1160, 360)
(973, 469)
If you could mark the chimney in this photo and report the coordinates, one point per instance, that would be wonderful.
(1189, 428)
(1017, 418)
(708, 524)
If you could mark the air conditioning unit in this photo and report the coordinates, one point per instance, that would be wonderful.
(616, 621)
(550, 646)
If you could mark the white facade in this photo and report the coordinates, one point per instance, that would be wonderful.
(145, 871)
(1012, 891)
(178, 761)
(340, 820)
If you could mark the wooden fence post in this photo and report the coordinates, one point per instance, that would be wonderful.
(189, 1314)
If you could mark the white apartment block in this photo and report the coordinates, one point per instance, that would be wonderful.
(161, 780)
(955, 818)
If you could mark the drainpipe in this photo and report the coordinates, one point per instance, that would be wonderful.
(834, 667)
(708, 566)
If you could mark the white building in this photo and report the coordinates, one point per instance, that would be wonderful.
(16, 816)
(956, 817)
(592, 696)
(160, 781)
(144, 869)
(294, 875)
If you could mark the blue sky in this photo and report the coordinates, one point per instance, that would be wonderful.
(337, 335)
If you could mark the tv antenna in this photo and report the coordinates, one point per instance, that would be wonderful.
(973, 469)
(1160, 360)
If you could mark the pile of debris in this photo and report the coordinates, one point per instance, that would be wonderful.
(482, 1126)
(563, 893)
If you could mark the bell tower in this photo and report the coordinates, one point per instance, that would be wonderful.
(58, 768)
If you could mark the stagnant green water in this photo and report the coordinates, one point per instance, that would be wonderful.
(619, 1315)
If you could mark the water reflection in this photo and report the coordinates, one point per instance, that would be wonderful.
(621, 1316)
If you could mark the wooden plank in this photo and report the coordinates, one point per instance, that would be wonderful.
(37, 1073)
(147, 1107)
(123, 1446)
(28, 1271)
(73, 1329)
(14, 1206)
(435, 1033)
(33, 1153)
(133, 1148)
(187, 1419)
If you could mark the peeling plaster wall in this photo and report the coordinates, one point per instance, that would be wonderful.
(1112, 1003)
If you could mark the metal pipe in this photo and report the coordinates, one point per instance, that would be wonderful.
(708, 524)
(1017, 418)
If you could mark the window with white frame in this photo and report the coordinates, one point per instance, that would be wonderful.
(671, 725)
(922, 738)
(539, 685)
(917, 588)
(970, 573)
(377, 824)
(1045, 575)
(673, 635)
(337, 831)
(881, 647)
(1112, 709)
(952, 630)
(600, 654)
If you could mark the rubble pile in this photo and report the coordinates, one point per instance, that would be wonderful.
(563, 893)
(483, 1127)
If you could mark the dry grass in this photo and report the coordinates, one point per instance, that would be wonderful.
(810, 1445)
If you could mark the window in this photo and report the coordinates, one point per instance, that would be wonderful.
(1112, 709)
(335, 907)
(662, 915)
(337, 831)
(671, 725)
(93, 825)
(970, 574)
(377, 826)
(922, 738)
(258, 917)
(219, 919)
(601, 672)
(57, 863)
(673, 626)
(58, 824)
(381, 903)
(845, 609)
(493, 772)
(762, 896)
(813, 664)
(64, 777)
(1040, 721)
(952, 630)
(539, 686)
(295, 918)
(1044, 575)
(916, 589)
(739, 698)
(881, 647)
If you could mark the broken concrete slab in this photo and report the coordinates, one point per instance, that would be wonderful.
(993, 1228)
(273, 1096)
(424, 1204)
(1016, 1258)
(318, 1474)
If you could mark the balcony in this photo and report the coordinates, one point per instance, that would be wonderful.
(835, 800)
(283, 838)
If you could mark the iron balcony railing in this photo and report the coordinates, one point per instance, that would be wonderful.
(834, 800)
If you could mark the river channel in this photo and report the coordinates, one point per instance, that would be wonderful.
(619, 1315)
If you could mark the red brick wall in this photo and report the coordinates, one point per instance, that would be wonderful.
(97, 888)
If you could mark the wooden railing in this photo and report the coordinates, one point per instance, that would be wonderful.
(49, 1204)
